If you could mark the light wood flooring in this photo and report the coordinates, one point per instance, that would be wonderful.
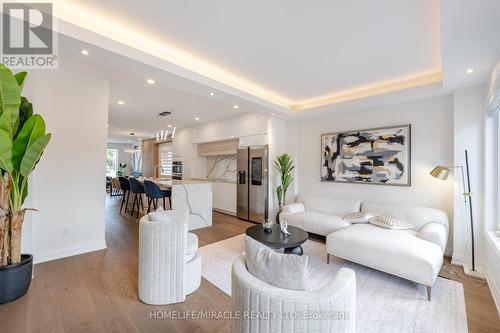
(97, 292)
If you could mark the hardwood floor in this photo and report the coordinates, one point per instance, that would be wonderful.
(97, 292)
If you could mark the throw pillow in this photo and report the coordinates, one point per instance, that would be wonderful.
(159, 216)
(391, 222)
(287, 271)
(359, 217)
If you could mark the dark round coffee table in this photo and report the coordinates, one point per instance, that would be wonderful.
(278, 240)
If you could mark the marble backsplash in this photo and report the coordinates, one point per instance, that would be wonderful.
(222, 168)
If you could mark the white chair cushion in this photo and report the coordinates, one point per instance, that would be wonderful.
(192, 246)
(332, 206)
(159, 216)
(287, 271)
(315, 222)
(397, 252)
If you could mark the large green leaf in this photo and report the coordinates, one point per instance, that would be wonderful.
(32, 129)
(20, 78)
(5, 150)
(25, 111)
(32, 154)
(10, 95)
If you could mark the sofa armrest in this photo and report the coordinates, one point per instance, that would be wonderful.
(435, 233)
(295, 207)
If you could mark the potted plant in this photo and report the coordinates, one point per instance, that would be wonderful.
(121, 169)
(22, 142)
(284, 165)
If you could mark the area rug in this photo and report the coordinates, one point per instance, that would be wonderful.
(385, 303)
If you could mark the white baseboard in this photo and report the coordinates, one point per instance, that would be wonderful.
(68, 252)
(224, 211)
(495, 291)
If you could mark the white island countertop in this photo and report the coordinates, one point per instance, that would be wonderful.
(192, 195)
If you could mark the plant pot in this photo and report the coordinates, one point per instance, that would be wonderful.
(15, 279)
(280, 208)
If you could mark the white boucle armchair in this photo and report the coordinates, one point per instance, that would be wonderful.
(169, 260)
(260, 307)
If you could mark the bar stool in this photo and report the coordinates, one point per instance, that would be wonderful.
(125, 186)
(154, 192)
(137, 189)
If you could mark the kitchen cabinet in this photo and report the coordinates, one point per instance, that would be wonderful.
(224, 197)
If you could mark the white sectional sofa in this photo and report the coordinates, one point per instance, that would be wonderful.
(416, 254)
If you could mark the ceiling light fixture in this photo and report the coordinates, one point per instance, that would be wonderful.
(120, 102)
(212, 93)
(150, 81)
(235, 106)
(165, 134)
(196, 118)
(469, 70)
(85, 52)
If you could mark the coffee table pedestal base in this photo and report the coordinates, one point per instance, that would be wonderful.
(295, 250)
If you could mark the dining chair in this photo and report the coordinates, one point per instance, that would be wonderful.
(154, 192)
(125, 186)
(137, 189)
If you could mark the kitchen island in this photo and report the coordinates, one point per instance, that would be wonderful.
(192, 195)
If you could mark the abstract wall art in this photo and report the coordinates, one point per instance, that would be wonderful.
(373, 156)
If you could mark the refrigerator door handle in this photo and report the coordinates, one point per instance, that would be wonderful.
(242, 177)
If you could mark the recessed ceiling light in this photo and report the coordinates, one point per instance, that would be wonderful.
(469, 70)
(120, 102)
(235, 106)
(169, 126)
(196, 118)
(150, 81)
(212, 93)
(85, 52)
(272, 114)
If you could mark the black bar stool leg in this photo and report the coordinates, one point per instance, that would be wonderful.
(149, 204)
(133, 205)
(126, 205)
(164, 207)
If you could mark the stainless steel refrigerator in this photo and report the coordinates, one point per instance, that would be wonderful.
(252, 182)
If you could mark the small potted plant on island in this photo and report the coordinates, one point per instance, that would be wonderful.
(22, 142)
(284, 165)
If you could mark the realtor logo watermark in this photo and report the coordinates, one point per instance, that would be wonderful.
(29, 40)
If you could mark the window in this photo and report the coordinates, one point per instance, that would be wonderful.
(166, 157)
(111, 162)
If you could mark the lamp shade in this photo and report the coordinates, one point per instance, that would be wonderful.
(440, 172)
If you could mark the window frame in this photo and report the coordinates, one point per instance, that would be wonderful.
(112, 173)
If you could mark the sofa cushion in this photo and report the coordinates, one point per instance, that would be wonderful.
(315, 222)
(396, 252)
(332, 206)
(192, 246)
(419, 216)
(390, 222)
(287, 271)
(359, 217)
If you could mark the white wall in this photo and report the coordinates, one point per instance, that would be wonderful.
(68, 184)
(432, 143)
(468, 132)
(123, 157)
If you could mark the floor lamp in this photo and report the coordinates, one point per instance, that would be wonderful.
(441, 172)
